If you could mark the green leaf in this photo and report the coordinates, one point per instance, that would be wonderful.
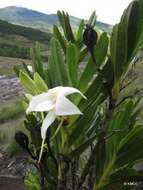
(92, 19)
(32, 182)
(57, 70)
(79, 35)
(81, 148)
(86, 76)
(124, 39)
(28, 84)
(81, 126)
(119, 177)
(83, 54)
(118, 49)
(61, 39)
(72, 58)
(65, 23)
(118, 127)
(39, 82)
(100, 159)
(90, 69)
(37, 60)
(101, 49)
(130, 148)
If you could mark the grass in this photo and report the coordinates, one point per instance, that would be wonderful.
(10, 111)
(11, 121)
(7, 64)
(7, 133)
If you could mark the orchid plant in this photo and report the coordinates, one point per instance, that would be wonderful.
(56, 104)
(92, 140)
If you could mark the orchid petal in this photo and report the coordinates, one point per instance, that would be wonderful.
(65, 107)
(40, 103)
(49, 119)
(70, 90)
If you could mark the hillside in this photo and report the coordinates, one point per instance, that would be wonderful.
(35, 19)
(16, 40)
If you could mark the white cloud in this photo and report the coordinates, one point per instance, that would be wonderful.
(107, 10)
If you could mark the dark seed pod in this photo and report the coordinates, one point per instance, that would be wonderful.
(90, 37)
(22, 140)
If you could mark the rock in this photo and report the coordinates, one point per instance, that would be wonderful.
(1, 155)
(10, 88)
(16, 166)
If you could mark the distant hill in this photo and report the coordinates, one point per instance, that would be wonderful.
(15, 40)
(38, 20)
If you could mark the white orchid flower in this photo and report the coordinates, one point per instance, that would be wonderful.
(56, 104)
(29, 67)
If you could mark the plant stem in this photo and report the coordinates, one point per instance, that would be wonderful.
(87, 167)
(51, 153)
(58, 128)
(41, 151)
(105, 176)
(61, 176)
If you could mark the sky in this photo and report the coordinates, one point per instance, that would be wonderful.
(108, 11)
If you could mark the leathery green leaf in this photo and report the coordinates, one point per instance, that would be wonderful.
(59, 36)
(65, 23)
(101, 49)
(37, 60)
(80, 30)
(40, 83)
(57, 68)
(28, 84)
(92, 19)
(130, 148)
(118, 127)
(72, 58)
(81, 148)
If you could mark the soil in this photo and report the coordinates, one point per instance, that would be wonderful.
(11, 183)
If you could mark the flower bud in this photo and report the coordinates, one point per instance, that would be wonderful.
(90, 37)
(22, 139)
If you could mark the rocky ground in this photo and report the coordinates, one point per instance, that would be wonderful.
(14, 166)
(9, 88)
(12, 169)
(12, 183)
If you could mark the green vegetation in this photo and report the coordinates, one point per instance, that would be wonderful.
(10, 111)
(11, 121)
(29, 33)
(99, 149)
(7, 64)
(16, 41)
(7, 133)
(14, 51)
(110, 131)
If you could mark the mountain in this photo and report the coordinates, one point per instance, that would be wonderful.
(38, 20)
(15, 40)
